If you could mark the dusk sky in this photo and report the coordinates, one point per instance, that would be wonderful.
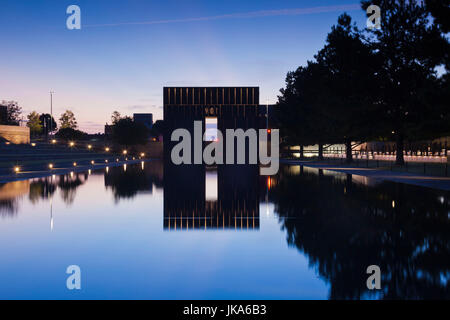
(126, 51)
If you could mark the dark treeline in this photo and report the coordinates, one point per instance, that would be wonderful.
(373, 84)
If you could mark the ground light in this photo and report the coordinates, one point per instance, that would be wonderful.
(142, 154)
(92, 162)
(74, 164)
(16, 169)
(53, 141)
(50, 166)
(125, 152)
(33, 144)
(106, 161)
(89, 147)
(107, 149)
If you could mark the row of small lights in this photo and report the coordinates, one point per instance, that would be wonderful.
(71, 144)
(51, 166)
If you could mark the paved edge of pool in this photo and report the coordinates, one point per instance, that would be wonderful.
(441, 183)
(46, 173)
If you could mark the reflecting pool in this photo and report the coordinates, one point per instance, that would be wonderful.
(150, 231)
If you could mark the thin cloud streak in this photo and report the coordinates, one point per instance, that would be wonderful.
(254, 14)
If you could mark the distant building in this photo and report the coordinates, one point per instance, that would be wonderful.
(3, 114)
(145, 118)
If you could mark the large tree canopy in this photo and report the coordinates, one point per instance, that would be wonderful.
(408, 47)
(373, 84)
(127, 132)
(68, 120)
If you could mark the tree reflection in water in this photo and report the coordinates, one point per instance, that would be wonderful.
(10, 193)
(127, 182)
(42, 188)
(8, 208)
(343, 227)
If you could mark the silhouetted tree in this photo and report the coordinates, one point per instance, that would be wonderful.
(115, 117)
(405, 46)
(440, 10)
(68, 120)
(34, 123)
(301, 112)
(48, 123)
(127, 132)
(351, 68)
(71, 134)
(13, 112)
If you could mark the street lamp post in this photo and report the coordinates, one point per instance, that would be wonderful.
(51, 112)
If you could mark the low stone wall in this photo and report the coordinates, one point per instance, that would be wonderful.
(15, 134)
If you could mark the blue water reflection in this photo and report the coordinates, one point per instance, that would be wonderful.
(303, 234)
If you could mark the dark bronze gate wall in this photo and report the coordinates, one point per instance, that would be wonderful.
(234, 107)
(185, 206)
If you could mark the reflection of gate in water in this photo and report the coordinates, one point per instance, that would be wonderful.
(186, 203)
(186, 207)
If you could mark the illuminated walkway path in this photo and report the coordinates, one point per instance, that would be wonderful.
(423, 180)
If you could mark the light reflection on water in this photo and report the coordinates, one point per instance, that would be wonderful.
(303, 234)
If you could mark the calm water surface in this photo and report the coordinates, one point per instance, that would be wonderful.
(145, 232)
